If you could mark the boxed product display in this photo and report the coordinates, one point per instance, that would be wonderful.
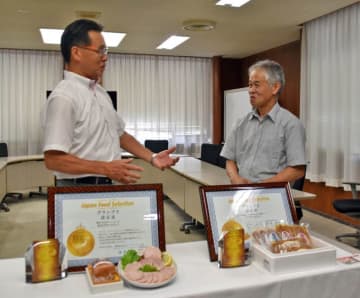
(103, 277)
(321, 255)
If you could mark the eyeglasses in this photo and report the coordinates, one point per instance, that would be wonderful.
(101, 52)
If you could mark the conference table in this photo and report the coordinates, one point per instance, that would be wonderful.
(198, 277)
(181, 182)
(18, 173)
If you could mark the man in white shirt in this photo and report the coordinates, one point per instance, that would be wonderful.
(82, 132)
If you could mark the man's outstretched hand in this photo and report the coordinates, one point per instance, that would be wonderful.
(163, 159)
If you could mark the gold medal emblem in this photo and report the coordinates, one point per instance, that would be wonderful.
(80, 242)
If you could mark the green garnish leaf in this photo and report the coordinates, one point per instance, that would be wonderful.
(148, 268)
(129, 257)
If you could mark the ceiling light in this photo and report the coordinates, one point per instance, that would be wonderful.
(113, 39)
(172, 42)
(23, 11)
(53, 36)
(199, 25)
(233, 3)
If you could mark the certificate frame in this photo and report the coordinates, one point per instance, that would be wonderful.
(75, 206)
(216, 198)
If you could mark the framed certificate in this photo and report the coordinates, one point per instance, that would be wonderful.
(252, 205)
(95, 222)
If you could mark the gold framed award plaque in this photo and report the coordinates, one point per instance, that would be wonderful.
(252, 205)
(104, 221)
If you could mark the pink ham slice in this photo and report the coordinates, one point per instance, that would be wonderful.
(152, 252)
(151, 277)
(158, 263)
(132, 271)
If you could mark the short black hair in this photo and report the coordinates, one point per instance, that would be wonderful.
(77, 33)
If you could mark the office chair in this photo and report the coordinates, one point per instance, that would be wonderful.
(3, 150)
(3, 205)
(211, 153)
(351, 208)
(299, 185)
(40, 192)
(222, 161)
(157, 146)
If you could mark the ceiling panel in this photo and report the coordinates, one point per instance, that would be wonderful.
(257, 26)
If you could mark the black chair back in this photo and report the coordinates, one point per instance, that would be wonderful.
(211, 154)
(222, 161)
(3, 150)
(157, 146)
(299, 185)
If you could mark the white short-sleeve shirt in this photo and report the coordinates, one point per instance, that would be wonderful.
(79, 119)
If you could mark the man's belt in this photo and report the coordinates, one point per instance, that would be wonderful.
(89, 180)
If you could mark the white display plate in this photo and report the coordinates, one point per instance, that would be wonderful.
(147, 285)
(324, 255)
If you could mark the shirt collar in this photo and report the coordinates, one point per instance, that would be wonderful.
(271, 115)
(91, 84)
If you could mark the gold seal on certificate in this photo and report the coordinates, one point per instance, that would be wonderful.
(80, 242)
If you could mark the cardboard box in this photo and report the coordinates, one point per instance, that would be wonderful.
(323, 255)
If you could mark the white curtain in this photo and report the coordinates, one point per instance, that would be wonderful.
(24, 78)
(164, 97)
(330, 96)
(159, 97)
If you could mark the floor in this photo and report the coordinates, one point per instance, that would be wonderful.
(27, 221)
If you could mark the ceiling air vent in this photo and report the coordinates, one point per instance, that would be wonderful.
(88, 14)
(199, 25)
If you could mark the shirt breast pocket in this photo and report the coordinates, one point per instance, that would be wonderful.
(275, 150)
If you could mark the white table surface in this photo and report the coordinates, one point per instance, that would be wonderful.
(201, 171)
(190, 167)
(198, 277)
(208, 174)
(14, 159)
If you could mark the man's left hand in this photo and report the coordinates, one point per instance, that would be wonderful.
(163, 159)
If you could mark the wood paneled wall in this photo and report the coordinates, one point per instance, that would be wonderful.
(324, 198)
(218, 105)
(233, 73)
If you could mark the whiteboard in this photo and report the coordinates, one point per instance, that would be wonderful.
(236, 105)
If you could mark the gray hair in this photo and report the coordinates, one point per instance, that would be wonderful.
(273, 72)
